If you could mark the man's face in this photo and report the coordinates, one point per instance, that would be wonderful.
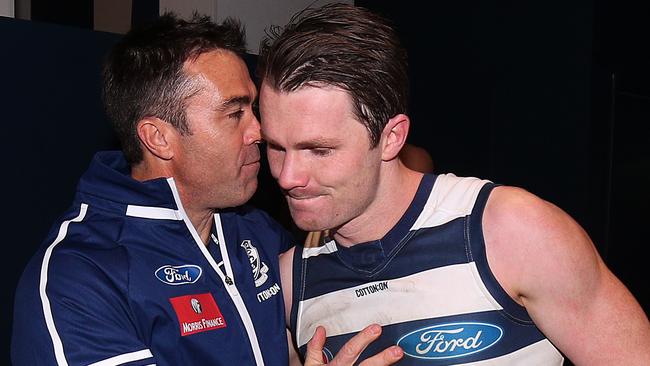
(320, 155)
(217, 163)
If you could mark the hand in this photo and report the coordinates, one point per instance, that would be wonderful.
(351, 350)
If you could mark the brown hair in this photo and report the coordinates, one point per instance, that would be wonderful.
(344, 46)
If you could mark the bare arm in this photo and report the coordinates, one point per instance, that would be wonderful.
(286, 267)
(547, 263)
(286, 278)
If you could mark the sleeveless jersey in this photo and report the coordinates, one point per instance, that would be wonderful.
(427, 282)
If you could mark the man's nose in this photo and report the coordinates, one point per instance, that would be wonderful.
(253, 134)
(292, 174)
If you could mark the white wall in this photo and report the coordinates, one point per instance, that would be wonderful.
(256, 15)
(7, 8)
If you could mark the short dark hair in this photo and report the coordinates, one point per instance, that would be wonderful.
(143, 74)
(343, 46)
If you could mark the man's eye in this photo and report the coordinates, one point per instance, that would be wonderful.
(321, 151)
(256, 110)
(274, 147)
(236, 115)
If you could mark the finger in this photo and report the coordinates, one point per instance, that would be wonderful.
(351, 350)
(314, 355)
(388, 356)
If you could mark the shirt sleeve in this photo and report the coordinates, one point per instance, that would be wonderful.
(71, 309)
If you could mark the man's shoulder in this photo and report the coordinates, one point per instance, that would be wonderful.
(517, 223)
(82, 258)
(509, 203)
(450, 197)
(70, 267)
(81, 244)
(448, 182)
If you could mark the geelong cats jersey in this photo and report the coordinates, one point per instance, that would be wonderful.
(427, 282)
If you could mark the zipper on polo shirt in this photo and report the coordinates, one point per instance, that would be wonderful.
(226, 276)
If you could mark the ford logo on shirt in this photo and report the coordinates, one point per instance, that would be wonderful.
(179, 275)
(450, 340)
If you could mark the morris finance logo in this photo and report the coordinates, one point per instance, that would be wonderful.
(197, 313)
(196, 305)
(450, 340)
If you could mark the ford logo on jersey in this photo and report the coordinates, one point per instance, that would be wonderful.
(179, 275)
(450, 340)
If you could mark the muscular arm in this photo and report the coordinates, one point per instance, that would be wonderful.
(547, 263)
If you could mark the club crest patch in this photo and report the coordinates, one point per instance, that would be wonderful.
(259, 268)
(197, 313)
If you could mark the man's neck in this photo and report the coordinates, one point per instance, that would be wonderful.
(201, 218)
(202, 222)
(395, 192)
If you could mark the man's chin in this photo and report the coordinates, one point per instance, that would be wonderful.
(249, 186)
(308, 224)
(246, 194)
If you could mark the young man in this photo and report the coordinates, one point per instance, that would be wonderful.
(456, 270)
(152, 264)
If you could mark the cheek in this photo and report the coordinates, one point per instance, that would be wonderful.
(360, 180)
(355, 167)
(275, 158)
(230, 147)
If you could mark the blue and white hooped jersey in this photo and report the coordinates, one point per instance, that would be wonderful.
(427, 282)
(124, 279)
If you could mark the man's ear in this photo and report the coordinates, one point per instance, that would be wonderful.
(157, 136)
(394, 136)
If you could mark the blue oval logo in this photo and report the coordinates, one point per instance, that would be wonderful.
(450, 340)
(179, 275)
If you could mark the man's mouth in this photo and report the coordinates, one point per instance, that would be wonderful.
(253, 157)
(252, 162)
(301, 196)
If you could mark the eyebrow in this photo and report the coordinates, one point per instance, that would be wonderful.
(234, 101)
(306, 144)
(317, 142)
